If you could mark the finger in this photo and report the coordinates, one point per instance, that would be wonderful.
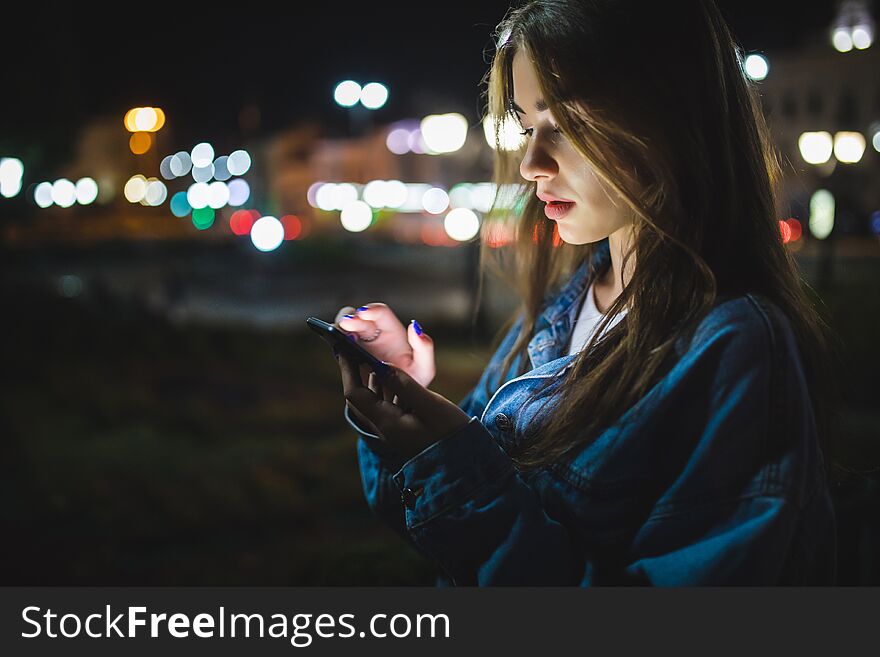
(423, 351)
(365, 372)
(363, 328)
(359, 396)
(345, 310)
(411, 393)
(371, 311)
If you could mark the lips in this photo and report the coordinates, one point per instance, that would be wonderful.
(549, 198)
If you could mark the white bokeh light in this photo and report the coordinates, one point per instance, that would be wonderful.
(197, 195)
(849, 147)
(821, 213)
(356, 216)
(203, 173)
(757, 66)
(86, 191)
(156, 192)
(218, 194)
(63, 193)
(238, 162)
(43, 194)
(815, 147)
(374, 95)
(202, 155)
(435, 200)
(180, 164)
(135, 188)
(461, 224)
(374, 193)
(444, 133)
(347, 93)
(395, 193)
(267, 233)
(842, 39)
(239, 192)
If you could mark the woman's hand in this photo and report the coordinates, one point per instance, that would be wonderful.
(406, 414)
(401, 346)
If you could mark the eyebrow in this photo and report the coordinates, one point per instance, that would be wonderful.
(540, 105)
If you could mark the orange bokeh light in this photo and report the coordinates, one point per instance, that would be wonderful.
(140, 142)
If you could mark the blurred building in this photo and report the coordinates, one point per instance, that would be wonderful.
(820, 89)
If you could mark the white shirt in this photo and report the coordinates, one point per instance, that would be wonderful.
(587, 321)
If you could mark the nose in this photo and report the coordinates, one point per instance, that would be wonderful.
(537, 161)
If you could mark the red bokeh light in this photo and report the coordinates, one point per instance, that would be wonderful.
(292, 226)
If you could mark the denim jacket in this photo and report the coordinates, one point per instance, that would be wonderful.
(715, 477)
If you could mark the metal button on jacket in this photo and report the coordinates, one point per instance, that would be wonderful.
(503, 422)
(408, 496)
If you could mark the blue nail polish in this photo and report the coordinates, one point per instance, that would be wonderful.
(348, 316)
(417, 327)
(361, 308)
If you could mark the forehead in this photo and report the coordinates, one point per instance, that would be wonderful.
(525, 89)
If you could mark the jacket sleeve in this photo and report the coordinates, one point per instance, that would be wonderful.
(486, 525)
(378, 463)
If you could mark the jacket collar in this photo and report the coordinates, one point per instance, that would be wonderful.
(553, 326)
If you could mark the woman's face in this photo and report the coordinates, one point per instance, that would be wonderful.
(559, 170)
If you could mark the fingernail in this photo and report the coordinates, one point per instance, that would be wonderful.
(348, 316)
(416, 327)
(360, 309)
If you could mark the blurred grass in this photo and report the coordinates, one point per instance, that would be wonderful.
(140, 453)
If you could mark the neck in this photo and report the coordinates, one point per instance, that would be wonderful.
(612, 281)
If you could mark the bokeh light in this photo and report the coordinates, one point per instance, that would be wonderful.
(461, 224)
(140, 142)
(156, 192)
(292, 226)
(221, 172)
(849, 147)
(218, 194)
(63, 193)
(203, 173)
(347, 93)
(444, 133)
(203, 218)
(816, 147)
(374, 95)
(397, 141)
(821, 213)
(435, 200)
(356, 216)
(238, 163)
(181, 164)
(198, 195)
(86, 191)
(180, 207)
(242, 221)
(11, 173)
(239, 192)
(202, 154)
(43, 194)
(757, 67)
(267, 233)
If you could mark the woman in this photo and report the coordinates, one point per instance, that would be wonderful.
(656, 410)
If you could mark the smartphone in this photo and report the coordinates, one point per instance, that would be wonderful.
(347, 344)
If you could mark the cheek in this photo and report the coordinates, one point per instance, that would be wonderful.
(592, 190)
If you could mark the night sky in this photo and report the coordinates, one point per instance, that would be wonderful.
(66, 65)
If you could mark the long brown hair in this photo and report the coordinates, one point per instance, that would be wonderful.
(653, 95)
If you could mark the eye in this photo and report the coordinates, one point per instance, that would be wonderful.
(528, 132)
